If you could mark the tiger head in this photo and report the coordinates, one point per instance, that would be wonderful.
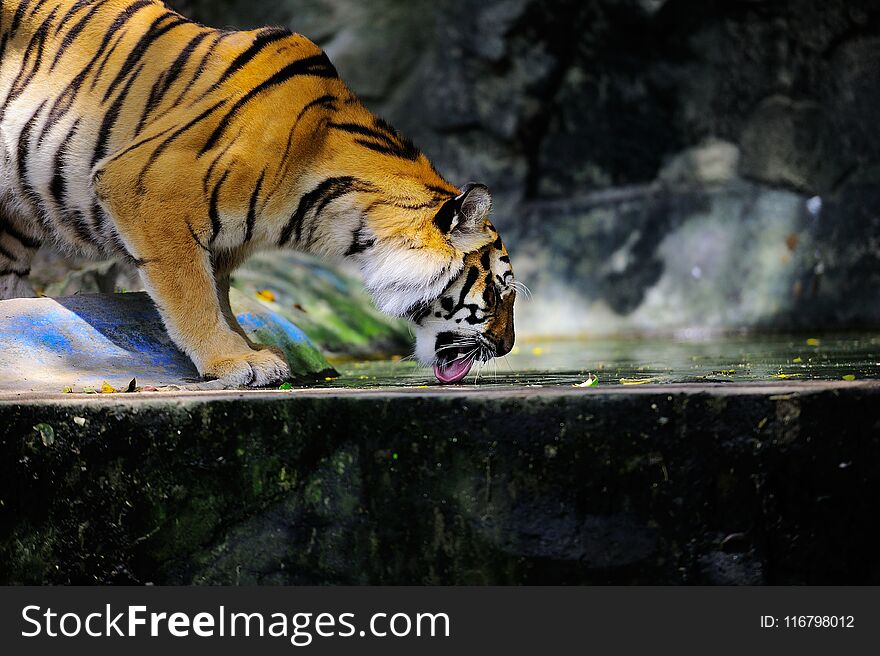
(451, 276)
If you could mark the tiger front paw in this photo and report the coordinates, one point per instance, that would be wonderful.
(251, 369)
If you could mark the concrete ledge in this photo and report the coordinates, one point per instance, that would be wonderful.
(772, 483)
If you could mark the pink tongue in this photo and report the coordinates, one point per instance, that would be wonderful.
(453, 371)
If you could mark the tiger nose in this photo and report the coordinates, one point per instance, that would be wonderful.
(504, 343)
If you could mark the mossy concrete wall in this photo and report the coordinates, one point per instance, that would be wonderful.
(758, 484)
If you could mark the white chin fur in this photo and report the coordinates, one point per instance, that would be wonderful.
(426, 339)
(400, 279)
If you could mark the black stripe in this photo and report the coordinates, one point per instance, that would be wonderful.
(383, 143)
(74, 32)
(317, 65)
(325, 101)
(68, 16)
(206, 181)
(358, 243)
(440, 191)
(110, 120)
(318, 199)
(23, 150)
(472, 275)
(65, 100)
(37, 8)
(176, 135)
(142, 142)
(5, 253)
(16, 18)
(17, 235)
(58, 186)
(354, 128)
(105, 57)
(22, 80)
(77, 220)
(214, 210)
(13, 272)
(252, 209)
(264, 38)
(196, 238)
(156, 31)
(167, 80)
(200, 69)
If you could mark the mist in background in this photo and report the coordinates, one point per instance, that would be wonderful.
(657, 165)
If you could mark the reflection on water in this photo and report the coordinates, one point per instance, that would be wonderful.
(649, 361)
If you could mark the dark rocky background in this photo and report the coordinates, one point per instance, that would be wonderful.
(656, 164)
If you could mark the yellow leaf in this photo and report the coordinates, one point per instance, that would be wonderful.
(266, 295)
(813, 342)
(636, 381)
(849, 378)
(67, 390)
(798, 360)
(537, 351)
(107, 388)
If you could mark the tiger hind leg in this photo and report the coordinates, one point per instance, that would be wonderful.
(17, 251)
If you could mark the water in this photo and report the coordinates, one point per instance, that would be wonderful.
(648, 361)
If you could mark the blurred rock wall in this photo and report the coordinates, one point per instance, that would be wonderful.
(656, 164)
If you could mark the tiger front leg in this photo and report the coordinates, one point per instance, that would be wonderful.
(184, 292)
(177, 273)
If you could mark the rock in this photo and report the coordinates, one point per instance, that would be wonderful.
(791, 144)
(80, 342)
(329, 305)
(741, 112)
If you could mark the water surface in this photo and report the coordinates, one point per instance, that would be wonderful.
(647, 361)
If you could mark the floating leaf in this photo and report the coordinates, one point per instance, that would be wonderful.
(79, 421)
(266, 295)
(849, 378)
(798, 360)
(285, 387)
(636, 381)
(107, 388)
(813, 342)
(537, 351)
(67, 390)
(589, 382)
(47, 434)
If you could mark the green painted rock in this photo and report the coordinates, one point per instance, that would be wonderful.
(332, 308)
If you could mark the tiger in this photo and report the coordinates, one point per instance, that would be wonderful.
(128, 131)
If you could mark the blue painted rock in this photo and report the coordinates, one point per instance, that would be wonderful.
(48, 344)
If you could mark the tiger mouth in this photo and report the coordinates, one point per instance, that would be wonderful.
(454, 366)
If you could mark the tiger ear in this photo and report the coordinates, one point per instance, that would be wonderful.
(467, 212)
(474, 205)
